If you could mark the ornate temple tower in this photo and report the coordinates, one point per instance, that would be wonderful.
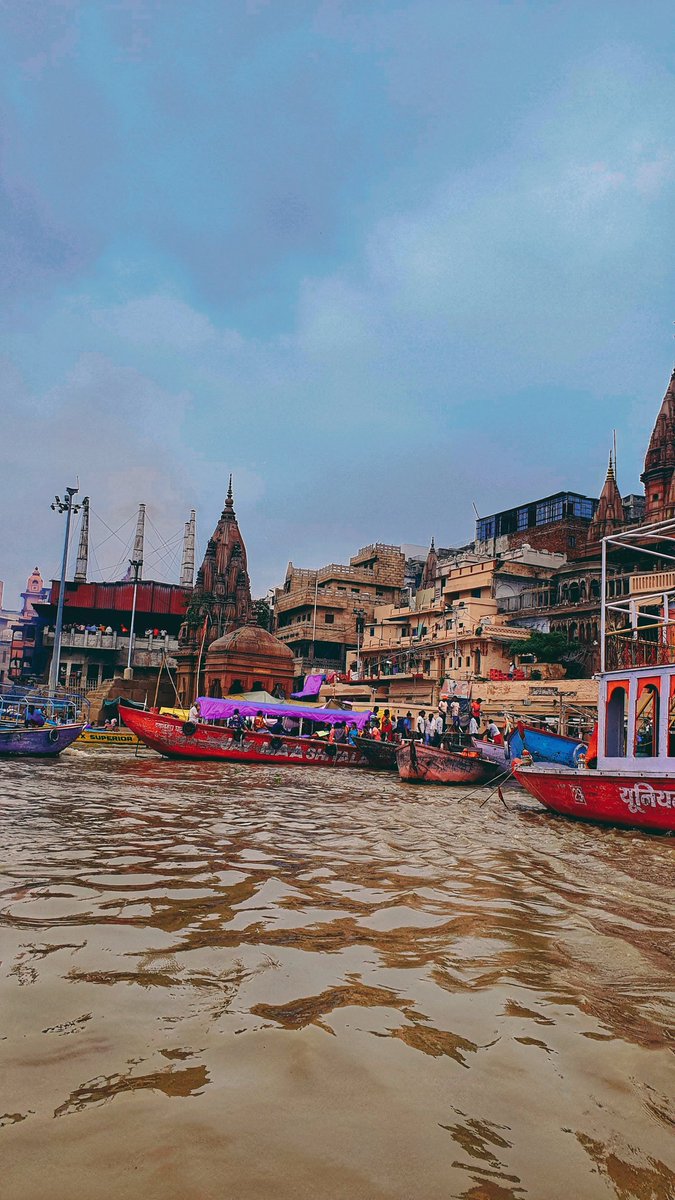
(609, 515)
(659, 473)
(430, 568)
(221, 600)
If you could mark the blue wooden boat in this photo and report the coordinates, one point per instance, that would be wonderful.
(544, 746)
(46, 741)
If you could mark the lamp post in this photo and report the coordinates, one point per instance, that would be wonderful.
(62, 506)
(135, 564)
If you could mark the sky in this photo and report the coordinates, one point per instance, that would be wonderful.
(383, 261)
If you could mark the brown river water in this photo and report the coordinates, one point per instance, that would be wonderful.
(252, 982)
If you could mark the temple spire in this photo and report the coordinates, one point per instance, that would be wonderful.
(659, 473)
(609, 515)
(80, 575)
(187, 570)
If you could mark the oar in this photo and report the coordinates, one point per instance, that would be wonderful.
(490, 794)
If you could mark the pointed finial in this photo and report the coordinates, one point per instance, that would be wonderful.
(229, 503)
(610, 468)
(432, 546)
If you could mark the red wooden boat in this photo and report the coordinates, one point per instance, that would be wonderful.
(627, 799)
(418, 763)
(175, 738)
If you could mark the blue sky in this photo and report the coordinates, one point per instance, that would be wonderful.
(381, 260)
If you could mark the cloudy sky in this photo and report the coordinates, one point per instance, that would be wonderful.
(382, 259)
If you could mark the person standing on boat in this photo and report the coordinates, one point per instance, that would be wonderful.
(420, 725)
(386, 727)
(195, 713)
(454, 714)
(473, 726)
(443, 710)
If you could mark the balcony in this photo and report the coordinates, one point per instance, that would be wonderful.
(74, 640)
(655, 582)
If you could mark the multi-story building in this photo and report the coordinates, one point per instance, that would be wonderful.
(453, 628)
(318, 613)
(96, 629)
(559, 523)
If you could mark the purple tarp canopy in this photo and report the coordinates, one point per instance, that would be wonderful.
(311, 687)
(220, 710)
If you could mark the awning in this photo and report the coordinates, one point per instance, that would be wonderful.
(221, 710)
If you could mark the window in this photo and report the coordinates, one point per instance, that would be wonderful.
(647, 722)
(549, 510)
(329, 618)
(468, 662)
(485, 528)
(616, 729)
(523, 518)
(572, 541)
(371, 631)
(477, 593)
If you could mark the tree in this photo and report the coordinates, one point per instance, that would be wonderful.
(262, 613)
(546, 647)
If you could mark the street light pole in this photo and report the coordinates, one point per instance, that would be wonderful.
(62, 506)
(135, 564)
(360, 614)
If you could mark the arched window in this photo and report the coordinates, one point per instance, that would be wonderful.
(595, 589)
(582, 590)
(215, 691)
(574, 593)
(616, 723)
(647, 721)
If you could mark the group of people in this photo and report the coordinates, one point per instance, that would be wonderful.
(430, 726)
(339, 732)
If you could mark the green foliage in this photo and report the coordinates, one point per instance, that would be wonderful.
(546, 647)
(262, 613)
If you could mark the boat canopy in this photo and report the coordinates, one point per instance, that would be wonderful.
(220, 710)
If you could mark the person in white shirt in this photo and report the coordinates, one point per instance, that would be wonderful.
(420, 724)
(195, 714)
(473, 727)
(454, 713)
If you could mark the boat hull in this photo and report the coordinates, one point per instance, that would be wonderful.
(123, 738)
(45, 742)
(605, 796)
(545, 747)
(379, 755)
(167, 736)
(424, 764)
(495, 754)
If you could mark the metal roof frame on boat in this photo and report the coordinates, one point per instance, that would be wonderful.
(655, 541)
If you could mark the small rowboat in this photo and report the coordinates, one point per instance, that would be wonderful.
(379, 755)
(425, 764)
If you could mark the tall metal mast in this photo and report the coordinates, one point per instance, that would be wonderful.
(80, 575)
(137, 553)
(187, 570)
(62, 506)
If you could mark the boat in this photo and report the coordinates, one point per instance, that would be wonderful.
(19, 737)
(212, 739)
(544, 746)
(379, 755)
(628, 775)
(122, 738)
(495, 753)
(418, 763)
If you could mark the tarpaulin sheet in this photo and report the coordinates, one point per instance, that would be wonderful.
(311, 687)
(221, 710)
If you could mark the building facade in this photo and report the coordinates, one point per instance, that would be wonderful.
(317, 612)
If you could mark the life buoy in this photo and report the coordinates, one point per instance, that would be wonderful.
(53, 735)
(189, 728)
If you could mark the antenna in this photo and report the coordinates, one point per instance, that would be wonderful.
(475, 510)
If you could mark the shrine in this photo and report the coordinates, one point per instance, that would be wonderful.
(221, 649)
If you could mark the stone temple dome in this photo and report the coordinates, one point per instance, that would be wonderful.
(248, 659)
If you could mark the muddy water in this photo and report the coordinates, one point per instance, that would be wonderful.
(250, 982)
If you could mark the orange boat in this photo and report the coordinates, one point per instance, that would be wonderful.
(418, 763)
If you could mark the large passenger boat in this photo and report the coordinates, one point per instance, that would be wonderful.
(211, 738)
(633, 783)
